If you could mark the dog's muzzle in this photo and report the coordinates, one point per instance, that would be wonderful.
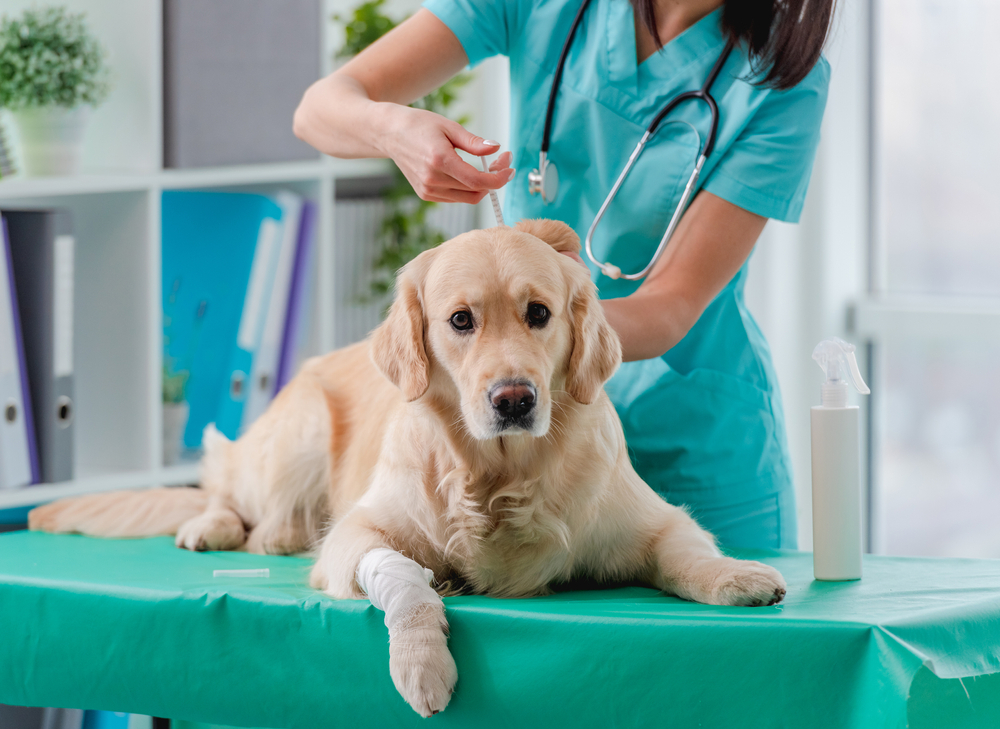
(513, 405)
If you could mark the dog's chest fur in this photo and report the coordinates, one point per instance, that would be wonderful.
(503, 536)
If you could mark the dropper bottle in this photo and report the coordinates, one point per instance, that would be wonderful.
(836, 466)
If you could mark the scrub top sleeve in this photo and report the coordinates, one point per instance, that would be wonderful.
(485, 28)
(767, 169)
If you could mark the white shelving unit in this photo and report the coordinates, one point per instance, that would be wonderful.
(115, 204)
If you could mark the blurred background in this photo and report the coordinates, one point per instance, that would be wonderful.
(897, 250)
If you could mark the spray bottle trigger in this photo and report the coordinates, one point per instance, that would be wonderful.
(836, 358)
(859, 381)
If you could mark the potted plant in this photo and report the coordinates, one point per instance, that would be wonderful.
(52, 72)
(175, 413)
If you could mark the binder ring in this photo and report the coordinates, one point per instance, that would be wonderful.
(64, 411)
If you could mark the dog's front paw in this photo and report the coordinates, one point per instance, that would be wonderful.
(742, 582)
(213, 530)
(420, 663)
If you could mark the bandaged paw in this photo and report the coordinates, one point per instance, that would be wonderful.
(396, 585)
(421, 666)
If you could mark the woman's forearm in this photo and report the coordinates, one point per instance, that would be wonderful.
(712, 242)
(337, 117)
(648, 326)
(361, 111)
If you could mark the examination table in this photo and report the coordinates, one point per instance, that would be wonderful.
(140, 626)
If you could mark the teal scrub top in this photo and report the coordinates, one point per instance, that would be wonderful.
(704, 422)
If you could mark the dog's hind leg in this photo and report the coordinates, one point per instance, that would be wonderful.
(282, 534)
(287, 457)
(219, 527)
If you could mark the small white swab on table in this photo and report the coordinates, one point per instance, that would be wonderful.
(493, 196)
(242, 573)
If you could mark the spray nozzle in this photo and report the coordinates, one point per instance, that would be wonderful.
(836, 358)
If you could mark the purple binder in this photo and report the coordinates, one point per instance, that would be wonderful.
(298, 296)
(29, 415)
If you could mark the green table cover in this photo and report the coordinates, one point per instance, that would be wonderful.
(139, 626)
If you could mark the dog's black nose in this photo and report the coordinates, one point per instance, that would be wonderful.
(513, 400)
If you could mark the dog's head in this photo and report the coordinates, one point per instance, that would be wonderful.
(500, 321)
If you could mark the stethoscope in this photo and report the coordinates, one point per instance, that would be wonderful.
(545, 179)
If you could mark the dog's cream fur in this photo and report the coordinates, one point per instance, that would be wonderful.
(394, 443)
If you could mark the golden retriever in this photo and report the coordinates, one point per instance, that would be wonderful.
(471, 433)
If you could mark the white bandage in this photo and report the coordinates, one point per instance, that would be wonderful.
(396, 585)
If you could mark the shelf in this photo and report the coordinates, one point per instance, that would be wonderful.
(43, 493)
(35, 187)
(23, 188)
(116, 210)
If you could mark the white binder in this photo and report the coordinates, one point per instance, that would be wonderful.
(264, 371)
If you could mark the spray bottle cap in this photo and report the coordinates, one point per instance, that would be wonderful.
(836, 358)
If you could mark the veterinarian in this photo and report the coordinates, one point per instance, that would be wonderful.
(698, 395)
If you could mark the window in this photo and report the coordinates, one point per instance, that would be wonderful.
(935, 303)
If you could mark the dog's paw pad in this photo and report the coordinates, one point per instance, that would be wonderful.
(750, 584)
(423, 670)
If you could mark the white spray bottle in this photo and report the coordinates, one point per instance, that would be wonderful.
(836, 466)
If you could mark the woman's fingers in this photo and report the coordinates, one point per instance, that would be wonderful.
(469, 142)
(469, 177)
(424, 146)
(460, 170)
(455, 196)
(575, 256)
(502, 162)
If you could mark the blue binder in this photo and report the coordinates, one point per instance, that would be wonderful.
(219, 251)
(93, 719)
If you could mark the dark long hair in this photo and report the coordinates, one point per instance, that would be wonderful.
(784, 37)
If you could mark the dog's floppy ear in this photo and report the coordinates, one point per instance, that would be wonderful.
(597, 351)
(554, 232)
(398, 348)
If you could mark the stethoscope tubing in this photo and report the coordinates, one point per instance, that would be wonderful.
(703, 94)
(557, 78)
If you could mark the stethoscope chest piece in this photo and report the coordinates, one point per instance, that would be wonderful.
(544, 179)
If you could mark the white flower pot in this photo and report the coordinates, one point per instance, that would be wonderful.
(175, 417)
(51, 138)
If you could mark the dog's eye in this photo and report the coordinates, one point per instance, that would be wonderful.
(538, 315)
(461, 321)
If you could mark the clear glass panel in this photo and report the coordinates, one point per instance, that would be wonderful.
(939, 458)
(938, 145)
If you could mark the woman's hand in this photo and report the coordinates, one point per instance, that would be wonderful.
(361, 110)
(423, 145)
